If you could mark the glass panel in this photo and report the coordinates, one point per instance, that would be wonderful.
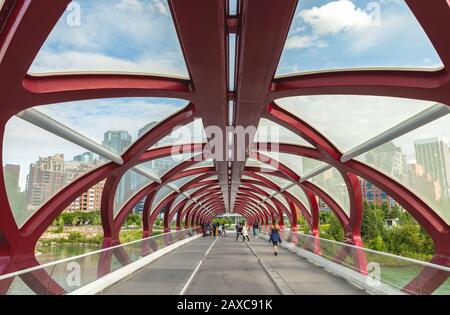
(329, 35)
(162, 193)
(333, 184)
(270, 202)
(193, 190)
(205, 163)
(257, 163)
(281, 182)
(37, 165)
(130, 183)
(268, 131)
(420, 161)
(177, 200)
(266, 189)
(338, 116)
(283, 201)
(114, 123)
(298, 193)
(113, 35)
(182, 181)
(194, 132)
(300, 165)
(163, 165)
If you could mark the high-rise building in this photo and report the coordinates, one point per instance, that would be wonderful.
(46, 177)
(89, 200)
(390, 158)
(87, 158)
(117, 140)
(433, 155)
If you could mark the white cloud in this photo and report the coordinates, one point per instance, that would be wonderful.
(51, 61)
(133, 35)
(335, 17)
(298, 41)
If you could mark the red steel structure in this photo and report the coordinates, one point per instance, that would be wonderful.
(261, 27)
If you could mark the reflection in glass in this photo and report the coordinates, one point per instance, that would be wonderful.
(419, 160)
(332, 183)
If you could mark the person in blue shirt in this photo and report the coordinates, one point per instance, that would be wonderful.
(275, 238)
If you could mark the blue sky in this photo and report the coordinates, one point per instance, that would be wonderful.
(361, 33)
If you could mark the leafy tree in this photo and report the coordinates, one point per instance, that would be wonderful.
(376, 243)
(373, 223)
(335, 230)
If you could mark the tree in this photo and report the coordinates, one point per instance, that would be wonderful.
(335, 230)
(373, 223)
(60, 225)
(376, 243)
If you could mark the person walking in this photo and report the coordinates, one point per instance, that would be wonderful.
(254, 226)
(224, 230)
(238, 231)
(275, 238)
(214, 227)
(245, 233)
(219, 230)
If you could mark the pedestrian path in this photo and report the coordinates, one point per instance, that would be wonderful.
(229, 267)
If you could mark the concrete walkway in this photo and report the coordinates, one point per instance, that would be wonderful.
(231, 268)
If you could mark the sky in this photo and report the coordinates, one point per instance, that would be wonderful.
(139, 36)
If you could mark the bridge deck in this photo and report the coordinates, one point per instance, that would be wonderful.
(231, 268)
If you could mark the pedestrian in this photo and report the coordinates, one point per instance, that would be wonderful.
(219, 230)
(245, 233)
(275, 238)
(238, 231)
(223, 230)
(255, 226)
(214, 227)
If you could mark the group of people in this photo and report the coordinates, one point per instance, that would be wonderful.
(215, 229)
(218, 230)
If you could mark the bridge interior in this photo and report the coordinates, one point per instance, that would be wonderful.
(230, 267)
(191, 109)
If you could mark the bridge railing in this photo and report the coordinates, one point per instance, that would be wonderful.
(71, 274)
(402, 274)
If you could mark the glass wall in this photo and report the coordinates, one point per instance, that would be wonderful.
(113, 35)
(332, 183)
(38, 165)
(420, 161)
(344, 34)
(114, 123)
(337, 117)
(298, 193)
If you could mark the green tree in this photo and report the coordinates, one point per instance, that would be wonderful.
(376, 243)
(373, 223)
(335, 230)
(60, 228)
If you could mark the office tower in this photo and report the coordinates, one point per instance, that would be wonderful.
(117, 140)
(388, 157)
(87, 158)
(433, 155)
(46, 177)
(90, 200)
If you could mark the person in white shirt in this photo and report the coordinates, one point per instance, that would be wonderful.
(245, 232)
